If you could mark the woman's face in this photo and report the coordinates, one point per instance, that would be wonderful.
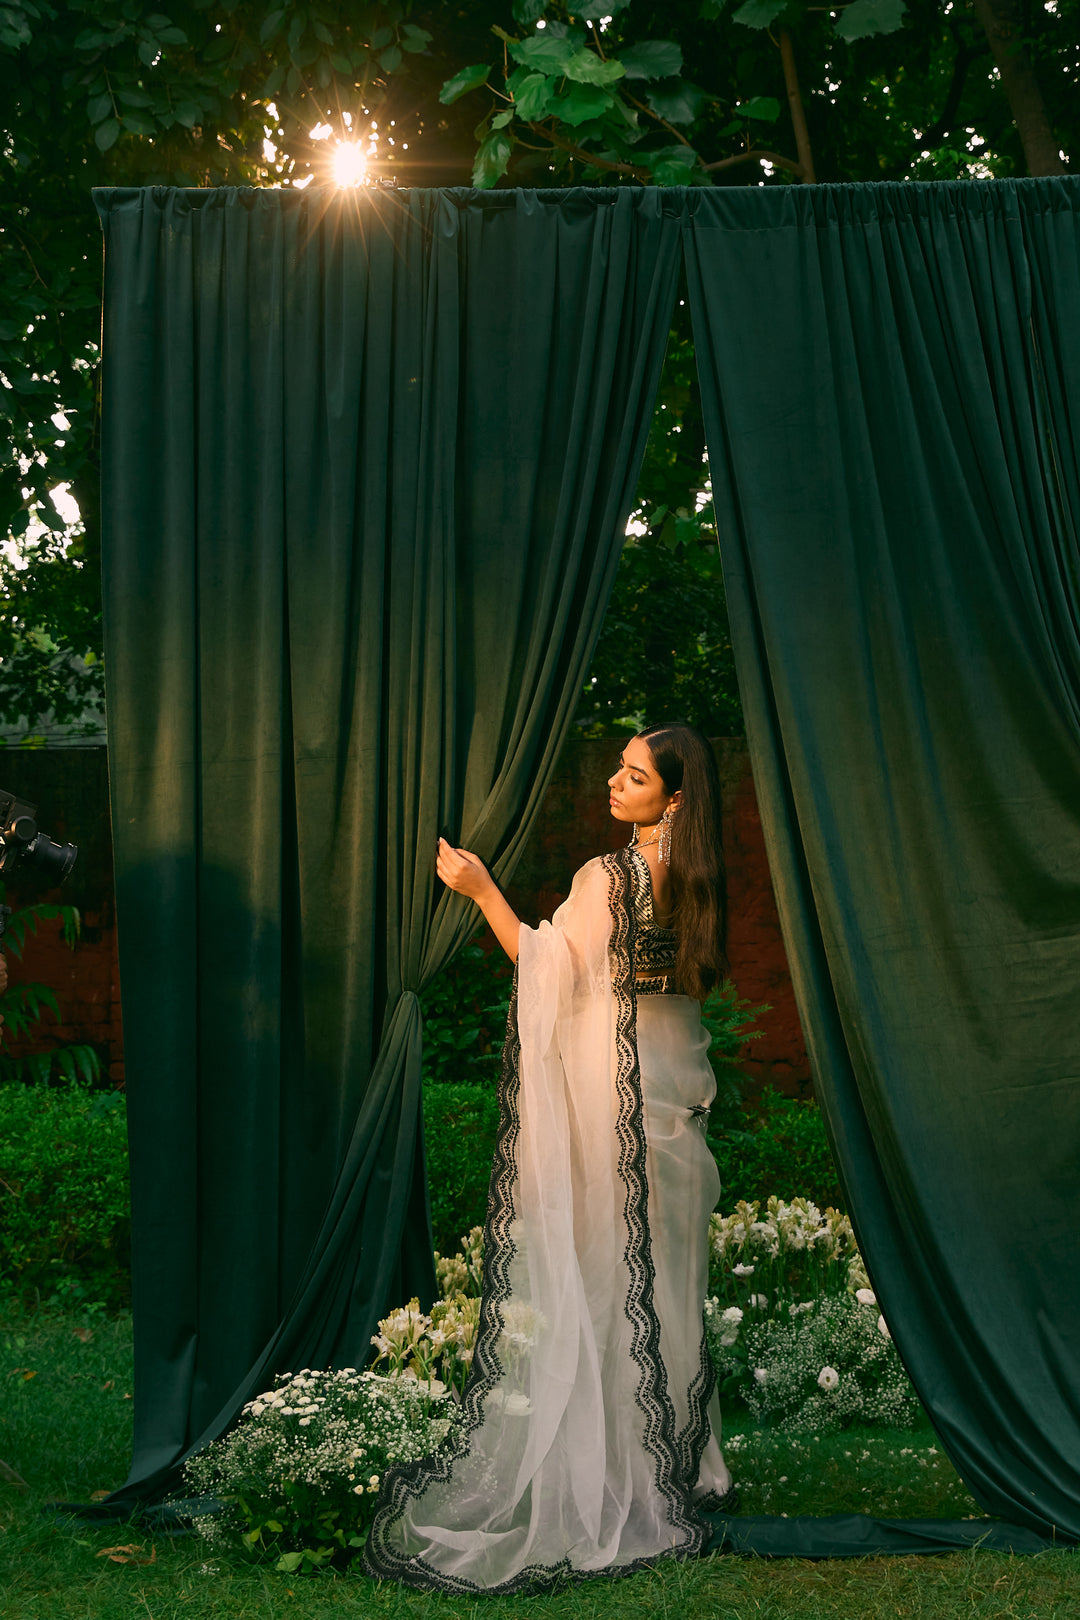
(637, 791)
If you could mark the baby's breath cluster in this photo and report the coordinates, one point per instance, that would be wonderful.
(297, 1478)
(793, 1324)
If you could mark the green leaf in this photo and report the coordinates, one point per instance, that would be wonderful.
(580, 102)
(381, 38)
(492, 159)
(593, 10)
(272, 25)
(390, 59)
(760, 13)
(527, 12)
(107, 134)
(137, 123)
(652, 59)
(135, 98)
(670, 166)
(864, 17)
(709, 10)
(679, 104)
(469, 78)
(148, 50)
(764, 108)
(501, 120)
(414, 39)
(533, 96)
(98, 108)
(549, 55)
(585, 67)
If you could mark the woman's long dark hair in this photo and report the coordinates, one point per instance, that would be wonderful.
(686, 764)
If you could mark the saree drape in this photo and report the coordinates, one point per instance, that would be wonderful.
(891, 380)
(590, 1427)
(367, 466)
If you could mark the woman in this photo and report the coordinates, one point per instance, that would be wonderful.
(590, 1424)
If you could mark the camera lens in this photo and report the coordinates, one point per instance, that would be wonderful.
(55, 859)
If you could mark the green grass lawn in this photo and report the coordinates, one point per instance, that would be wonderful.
(65, 1412)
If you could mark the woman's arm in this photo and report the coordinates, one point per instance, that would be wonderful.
(466, 874)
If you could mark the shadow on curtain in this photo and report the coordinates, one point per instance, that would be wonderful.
(891, 379)
(368, 463)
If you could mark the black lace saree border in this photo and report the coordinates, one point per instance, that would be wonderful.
(405, 1484)
(674, 1455)
(652, 1394)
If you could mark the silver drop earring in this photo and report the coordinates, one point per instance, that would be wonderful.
(664, 851)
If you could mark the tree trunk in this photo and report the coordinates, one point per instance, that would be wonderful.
(1002, 22)
(798, 114)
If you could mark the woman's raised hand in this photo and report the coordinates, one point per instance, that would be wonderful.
(464, 873)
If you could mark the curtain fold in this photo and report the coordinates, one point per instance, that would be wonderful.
(891, 381)
(367, 466)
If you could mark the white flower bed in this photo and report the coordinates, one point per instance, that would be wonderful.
(297, 1478)
(793, 1325)
(794, 1330)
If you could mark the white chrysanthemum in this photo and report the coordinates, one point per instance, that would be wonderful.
(732, 1314)
(828, 1378)
(742, 1271)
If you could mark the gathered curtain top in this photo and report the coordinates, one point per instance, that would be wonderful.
(735, 208)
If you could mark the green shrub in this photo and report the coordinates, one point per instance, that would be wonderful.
(781, 1148)
(465, 1017)
(65, 1220)
(459, 1130)
(23, 1006)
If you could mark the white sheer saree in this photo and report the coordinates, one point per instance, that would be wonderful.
(591, 1429)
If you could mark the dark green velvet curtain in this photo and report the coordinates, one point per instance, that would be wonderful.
(367, 464)
(891, 376)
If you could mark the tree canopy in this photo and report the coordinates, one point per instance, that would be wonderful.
(249, 92)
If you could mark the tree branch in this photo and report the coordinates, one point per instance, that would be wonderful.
(965, 55)
(591, 158)
(757, 153)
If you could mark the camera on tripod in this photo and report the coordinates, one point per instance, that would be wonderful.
(21, 841)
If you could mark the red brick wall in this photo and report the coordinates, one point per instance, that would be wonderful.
(70, 787)
(573, 824)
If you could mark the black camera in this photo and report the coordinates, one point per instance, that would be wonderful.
(21, 841)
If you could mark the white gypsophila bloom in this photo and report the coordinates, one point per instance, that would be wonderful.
(761, 1375)
(828, 1378)
(866, 1296)
(742, 1271)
